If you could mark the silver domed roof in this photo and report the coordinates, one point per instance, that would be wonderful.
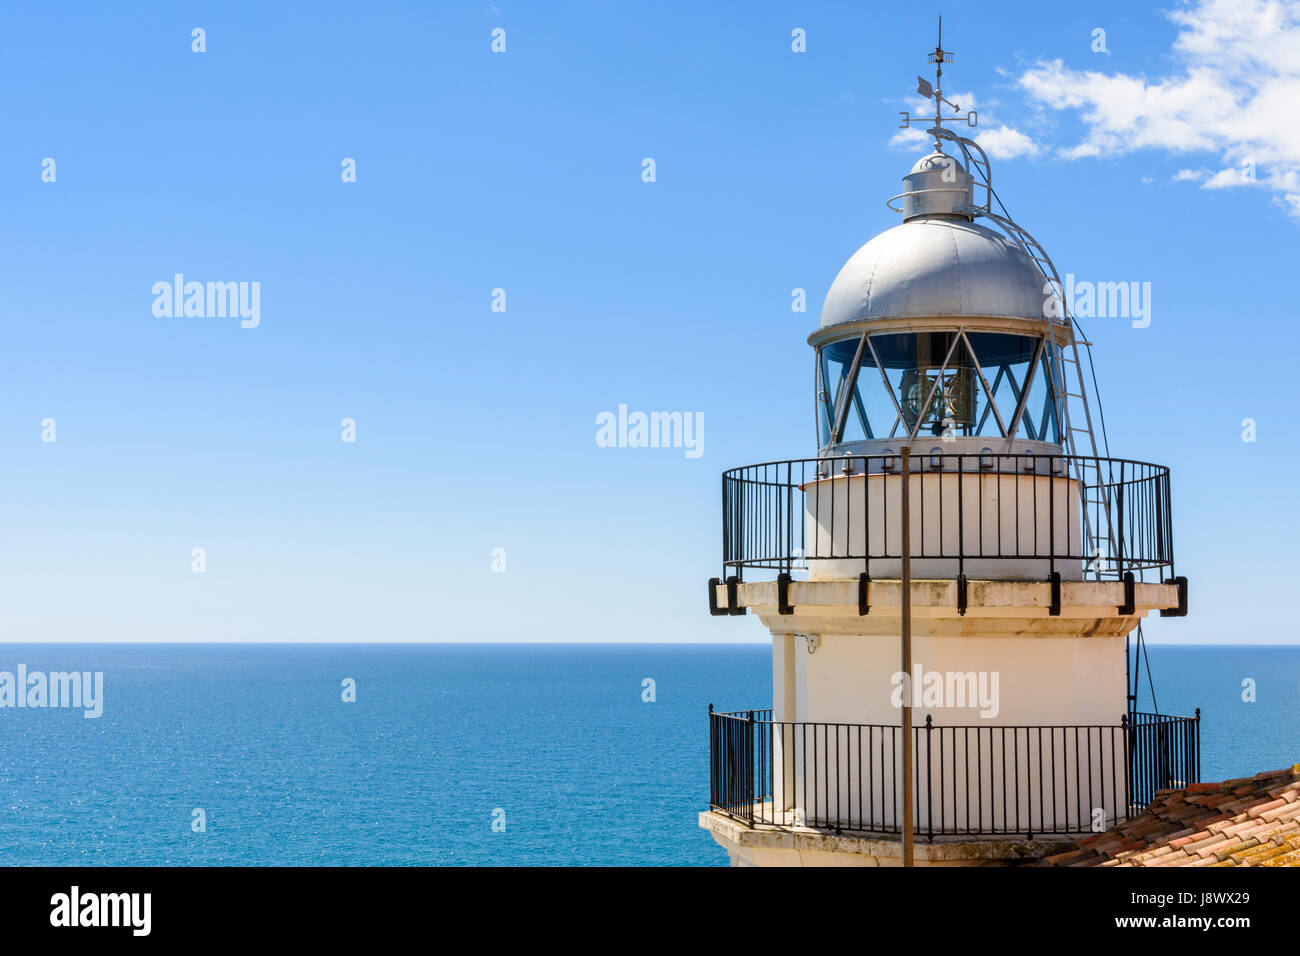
(936, 266)
(936, 161)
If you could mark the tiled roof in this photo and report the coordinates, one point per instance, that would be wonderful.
(1251, 821)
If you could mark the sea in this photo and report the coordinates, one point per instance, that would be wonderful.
(451, 754)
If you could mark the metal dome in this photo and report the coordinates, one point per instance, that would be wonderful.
(934, 266)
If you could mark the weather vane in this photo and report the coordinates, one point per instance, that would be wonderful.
(939, 57)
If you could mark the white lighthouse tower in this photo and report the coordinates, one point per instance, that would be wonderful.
(950, 584)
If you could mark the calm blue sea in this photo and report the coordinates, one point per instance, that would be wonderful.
(441, 736)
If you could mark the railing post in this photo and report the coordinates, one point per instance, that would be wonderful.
(713, 757)
(961, 518)
(726, 524)
(1051, 515)
(1197, 773)
(1169, 522)
(744, 506)
(1166, 548)
(1167, 776)
(929, 781)
(747, 786)
(1119, 530)
(713, 761)
(1127, 732)
(789, 519)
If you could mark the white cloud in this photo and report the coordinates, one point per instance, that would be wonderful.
(1227, 178)
(909, 137)
(1235, 93)
(1003, 142)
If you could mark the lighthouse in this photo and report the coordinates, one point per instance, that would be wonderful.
(953, 581)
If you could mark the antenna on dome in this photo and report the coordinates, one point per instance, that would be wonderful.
(939, 57)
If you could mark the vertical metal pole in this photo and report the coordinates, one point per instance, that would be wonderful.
(905, 610)
(747, 768)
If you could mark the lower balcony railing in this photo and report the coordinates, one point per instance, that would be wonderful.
(968, 780)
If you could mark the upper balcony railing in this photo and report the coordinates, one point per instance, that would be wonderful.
(992, 515)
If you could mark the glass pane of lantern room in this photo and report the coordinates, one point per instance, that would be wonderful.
(831, 372)
(870, 411)
(1040, 411)
(837, 362)
(874, 400)
(1005, 360)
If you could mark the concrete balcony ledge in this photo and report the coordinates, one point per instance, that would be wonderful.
(766, 845)
(1088, 608)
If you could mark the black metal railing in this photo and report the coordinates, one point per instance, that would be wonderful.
(968, 780)
(1018, 516)
(1164, 752)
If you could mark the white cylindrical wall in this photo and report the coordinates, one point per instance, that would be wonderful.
(1005, 524)
(1042, 751)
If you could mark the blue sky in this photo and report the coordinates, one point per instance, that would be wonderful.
(522, 171)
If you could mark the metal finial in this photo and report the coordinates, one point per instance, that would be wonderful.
(939, 57)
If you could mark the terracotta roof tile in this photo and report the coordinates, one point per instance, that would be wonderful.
(1260, 808)
(1288, 811)
(1194, 838)
(1248, 821)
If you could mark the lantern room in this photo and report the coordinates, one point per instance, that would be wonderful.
(939, 328)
